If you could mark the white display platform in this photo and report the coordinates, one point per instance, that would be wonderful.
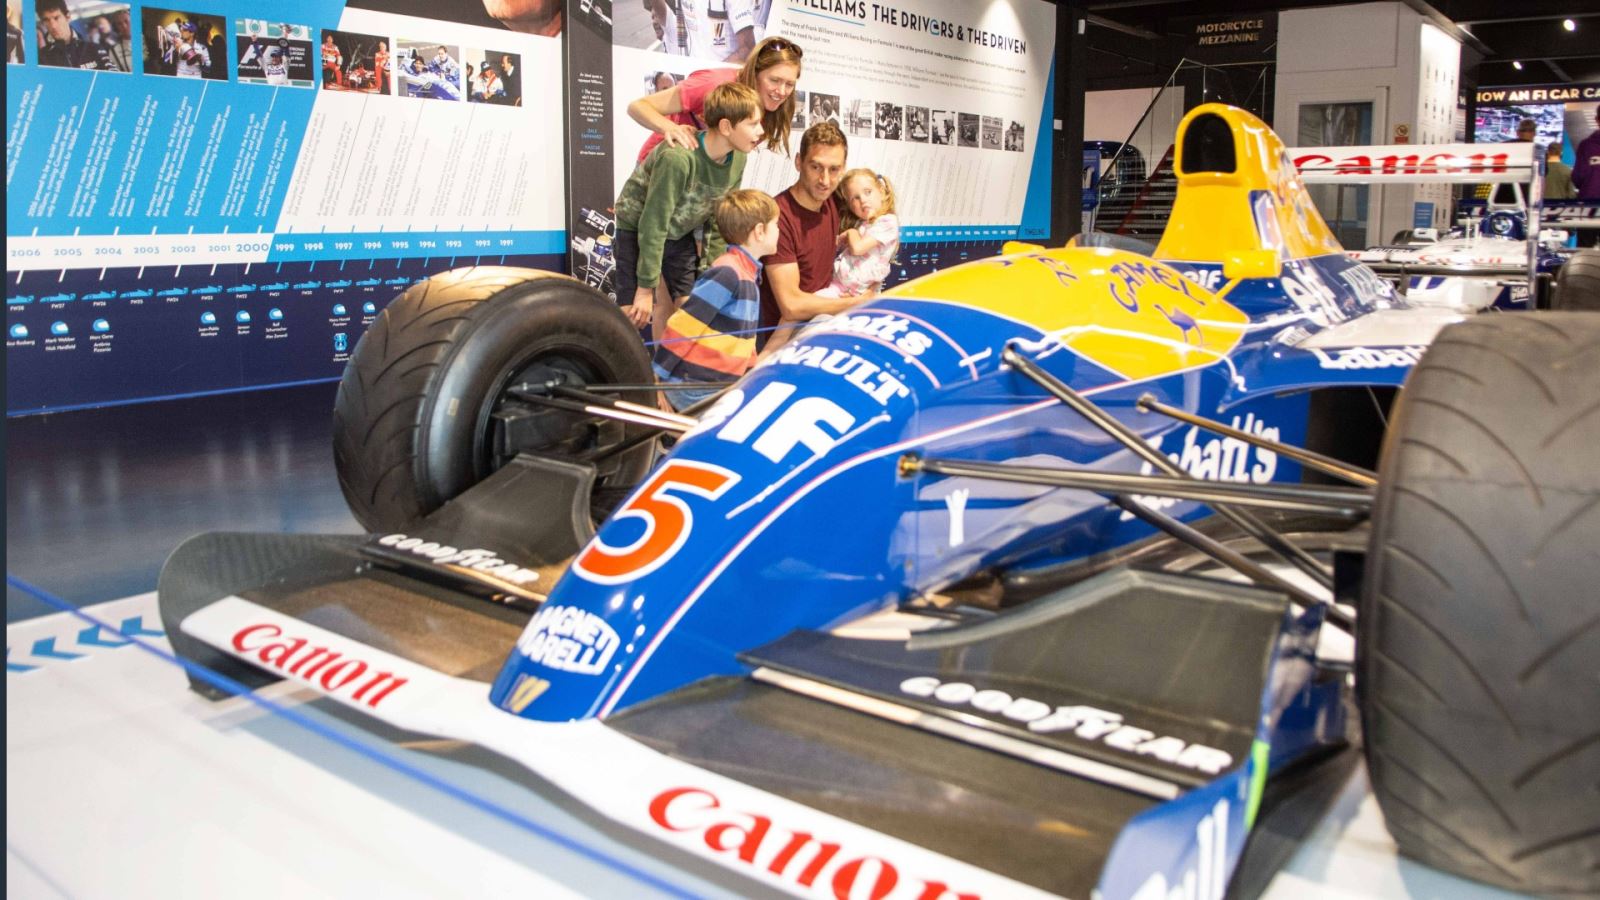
(123, 783)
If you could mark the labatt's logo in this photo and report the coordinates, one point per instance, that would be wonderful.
(569, 639)
(1207, 877)
(1216, 459)
(800, 859)
(1369, 357)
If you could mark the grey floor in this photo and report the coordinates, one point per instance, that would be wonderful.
(96, 499)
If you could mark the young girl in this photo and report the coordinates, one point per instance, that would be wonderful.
(871, 235)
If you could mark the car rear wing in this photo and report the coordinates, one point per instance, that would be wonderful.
(1518, 162)
(1418, 163)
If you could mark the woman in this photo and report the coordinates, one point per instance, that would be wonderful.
(772, 68)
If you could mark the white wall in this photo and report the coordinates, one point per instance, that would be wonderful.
(1383, 53)
(1112, 116)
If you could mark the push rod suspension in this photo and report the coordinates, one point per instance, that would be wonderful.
(648, 418)
(1242, 519)
(670, 386)
(1349, 502)
(1326, 464)
(583, 396)
(1229, 557)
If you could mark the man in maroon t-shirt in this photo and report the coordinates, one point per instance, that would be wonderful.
(808, 236)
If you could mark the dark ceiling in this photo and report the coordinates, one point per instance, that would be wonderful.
(1133, 41)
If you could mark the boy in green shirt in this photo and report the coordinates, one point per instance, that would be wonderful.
(671, 193)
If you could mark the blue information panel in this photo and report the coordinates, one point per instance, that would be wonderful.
(201, 200)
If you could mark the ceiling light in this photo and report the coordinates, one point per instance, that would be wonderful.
(1569, 25)
(1516, 64)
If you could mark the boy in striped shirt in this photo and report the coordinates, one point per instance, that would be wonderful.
(710, 338)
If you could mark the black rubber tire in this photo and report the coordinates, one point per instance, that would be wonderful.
(1577, 286)
(1480, 625)
(412, 418)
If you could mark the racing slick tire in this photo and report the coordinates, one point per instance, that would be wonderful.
(415, 419)
(1578, 283)
(1480, 623)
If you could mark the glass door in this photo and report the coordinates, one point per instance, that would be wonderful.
(1345, 207)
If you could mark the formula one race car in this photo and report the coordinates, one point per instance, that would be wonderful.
(1504, 255)
(932, 603)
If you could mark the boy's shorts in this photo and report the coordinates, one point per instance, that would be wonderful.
(680, 265)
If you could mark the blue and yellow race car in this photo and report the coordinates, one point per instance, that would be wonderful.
(1016, 580)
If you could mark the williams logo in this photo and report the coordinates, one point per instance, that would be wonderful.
(569, 639)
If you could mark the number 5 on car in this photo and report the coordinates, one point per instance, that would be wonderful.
(667, 523)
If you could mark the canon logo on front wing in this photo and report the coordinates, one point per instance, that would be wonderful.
(799, 858)
(330, 670)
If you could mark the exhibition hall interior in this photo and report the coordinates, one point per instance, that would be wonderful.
(927, 449)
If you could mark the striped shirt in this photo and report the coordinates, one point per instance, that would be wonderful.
(710, 337)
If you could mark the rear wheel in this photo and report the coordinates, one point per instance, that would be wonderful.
(425, 409)
(1480, 625)
(1578, 283)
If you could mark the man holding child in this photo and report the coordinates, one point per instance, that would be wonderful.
(809, 217)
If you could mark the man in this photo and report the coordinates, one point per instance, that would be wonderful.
(718, 29)
(1527, 130)
(1586, 167)
(541, 17)
(510, 80)
(184, 50)
(62, 46)
(332, 62)
(444, 65)
(1558, 175)
(808, 236)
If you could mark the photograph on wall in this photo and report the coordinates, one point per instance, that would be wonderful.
(540, 17)
(355, 62)
(917, 124)
(824, 108)
(858, 120)
(15, 52)
(991, 132)
(944, 126)
(492, 76)
(183, 44)
(888, 122)
(1014, 136)
(798, 123)
(427, 69)
(275, 53)
(712, 30)
(84, 34)
(967, 129)
(661, 81)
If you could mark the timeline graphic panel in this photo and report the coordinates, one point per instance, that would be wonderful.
(190, 193)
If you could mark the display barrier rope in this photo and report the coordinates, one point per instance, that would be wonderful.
(382, 757)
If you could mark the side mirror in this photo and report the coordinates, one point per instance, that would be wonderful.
(1252, 264)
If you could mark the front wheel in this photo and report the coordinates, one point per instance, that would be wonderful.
(425, 411)
(1577, 287)
(1480, 625)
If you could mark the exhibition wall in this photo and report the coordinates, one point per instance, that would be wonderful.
(1376, 73)
(199, 200)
